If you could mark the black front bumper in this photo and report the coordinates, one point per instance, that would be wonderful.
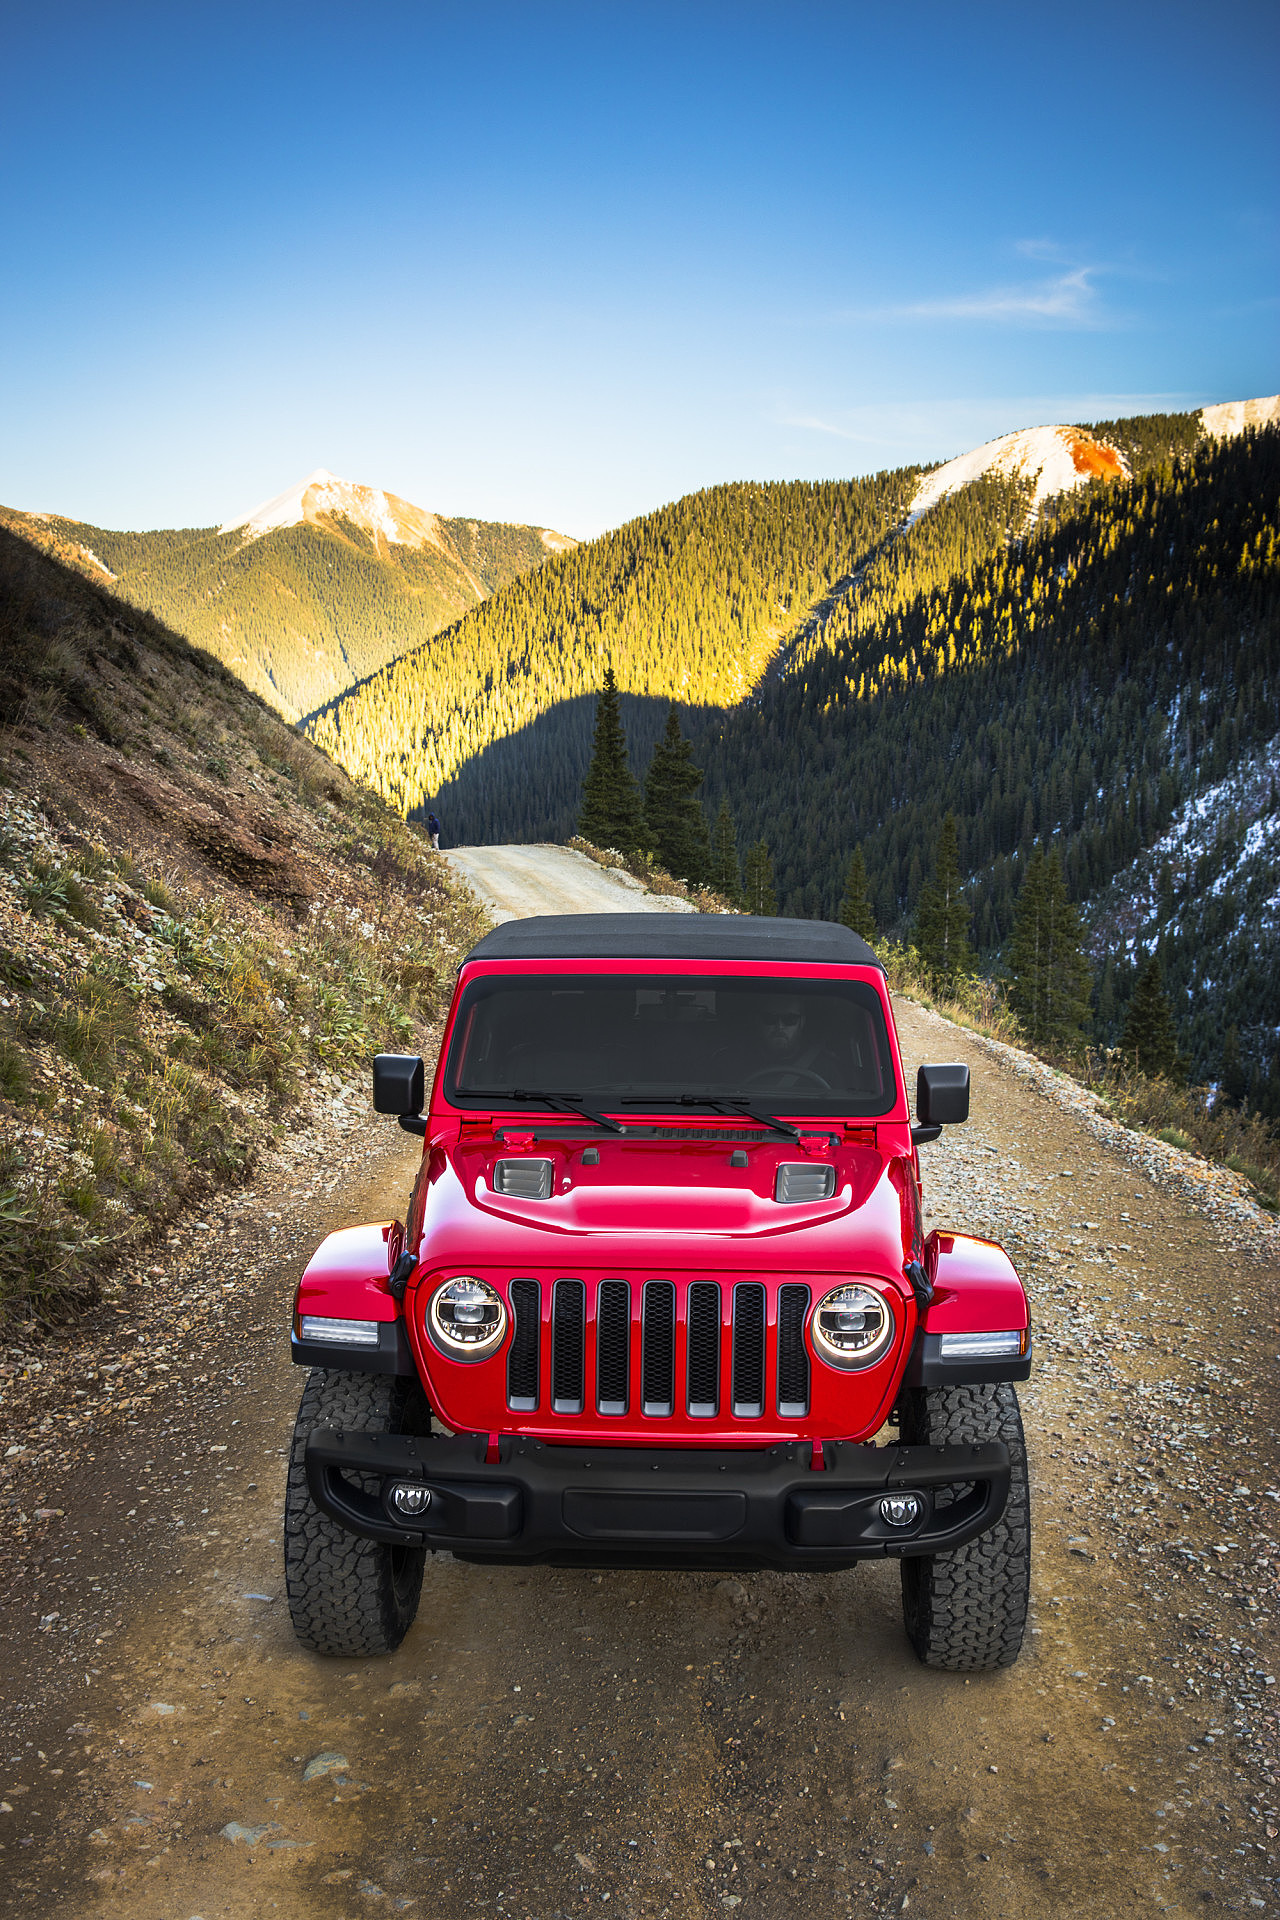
(656, 1507)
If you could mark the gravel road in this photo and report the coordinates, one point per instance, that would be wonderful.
(514, 882)
(551, 1743)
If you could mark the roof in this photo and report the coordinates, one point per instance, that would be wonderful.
(674, 936)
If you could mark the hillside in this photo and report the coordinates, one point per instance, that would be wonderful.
(196, 917)
(310, 592)
(700, 602)
(1091, 685)
(1085, 679)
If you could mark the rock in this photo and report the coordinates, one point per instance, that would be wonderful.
(325, 1763)
(236, 1830)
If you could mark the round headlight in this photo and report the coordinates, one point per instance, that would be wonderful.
(467, 1318)
(853, 1326)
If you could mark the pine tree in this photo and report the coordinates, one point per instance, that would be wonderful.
(1234, 1081)
(674, 825)
(610, 815)
(726, 875)
(855, 908)
(1049, 975)
(942, 917)
(761, 897)
(1149, 1032)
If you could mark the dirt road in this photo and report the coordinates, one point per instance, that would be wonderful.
(550, 1743)
(514, 882)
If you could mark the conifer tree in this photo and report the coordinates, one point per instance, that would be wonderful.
(761, 897)
(726, 875)
(1049, 975)
(942, 917)
(674, 825)
(610, 814)
(1234, 1080)
(855, 908)
(1149, 1032)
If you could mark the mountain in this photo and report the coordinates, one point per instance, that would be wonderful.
(1069, 633)
(311, 591)
(708, 601)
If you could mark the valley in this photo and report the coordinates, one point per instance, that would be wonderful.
(310, 592)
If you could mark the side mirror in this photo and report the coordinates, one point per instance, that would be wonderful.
(942, 1099)
(399, 1083)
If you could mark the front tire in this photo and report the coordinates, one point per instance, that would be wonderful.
(349, 1596)
(966, 1611)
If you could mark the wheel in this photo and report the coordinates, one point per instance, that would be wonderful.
(966, 1611)
(347, 1595)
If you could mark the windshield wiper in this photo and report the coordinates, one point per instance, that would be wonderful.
(556, 1103)
(740, 1103)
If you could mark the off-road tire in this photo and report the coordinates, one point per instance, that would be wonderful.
(349, 1596)
(967, 1611)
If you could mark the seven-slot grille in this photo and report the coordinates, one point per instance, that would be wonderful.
(642, 1316)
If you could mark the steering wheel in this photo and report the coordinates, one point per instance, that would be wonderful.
(771, 1079)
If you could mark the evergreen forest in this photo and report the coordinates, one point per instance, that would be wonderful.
(304, 612)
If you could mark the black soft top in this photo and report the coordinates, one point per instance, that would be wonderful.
(674, 936)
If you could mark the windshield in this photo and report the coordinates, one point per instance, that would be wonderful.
(816, 1047)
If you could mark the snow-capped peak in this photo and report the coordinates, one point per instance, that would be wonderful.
(381, 515)
(1055, 458)
(1233, 416)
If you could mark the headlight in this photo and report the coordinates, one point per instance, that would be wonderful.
(467, 1318)
(852, 1326)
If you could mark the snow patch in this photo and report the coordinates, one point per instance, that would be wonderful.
(1233, 828)
(322, 494)
(92, 557)
(1055, 459)
(556, 542)
(1233, 416)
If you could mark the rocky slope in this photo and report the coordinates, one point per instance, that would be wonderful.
(201, 922)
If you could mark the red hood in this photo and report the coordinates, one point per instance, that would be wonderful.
(664, 1203)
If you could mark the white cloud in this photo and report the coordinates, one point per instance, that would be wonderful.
(1069, 298)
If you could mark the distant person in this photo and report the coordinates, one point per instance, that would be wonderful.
(433, 828)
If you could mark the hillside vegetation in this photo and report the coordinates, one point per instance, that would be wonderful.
(305, 611)
(697, 603)
(205, 930)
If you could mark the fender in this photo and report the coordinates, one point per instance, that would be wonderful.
(976, 1290)
(346, 1285)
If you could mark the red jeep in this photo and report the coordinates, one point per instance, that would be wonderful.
(664, 1297)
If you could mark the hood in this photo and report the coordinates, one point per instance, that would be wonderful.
(670, 1201)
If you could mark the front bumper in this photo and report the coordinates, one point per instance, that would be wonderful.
(656, 1507)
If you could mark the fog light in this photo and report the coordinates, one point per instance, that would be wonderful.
(410, 1496)
(901, 1509)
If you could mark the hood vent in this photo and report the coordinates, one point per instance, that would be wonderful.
(800, 1182)
(523, 1179)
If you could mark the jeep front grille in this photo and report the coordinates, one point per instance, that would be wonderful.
(526, 1342)
(748, 1350)
(793, 1355)
(658, 1348)
(568, 1345)
(639, 1323)
(704, 1350)
(613, 1347)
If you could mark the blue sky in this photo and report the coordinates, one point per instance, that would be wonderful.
(563, 263)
